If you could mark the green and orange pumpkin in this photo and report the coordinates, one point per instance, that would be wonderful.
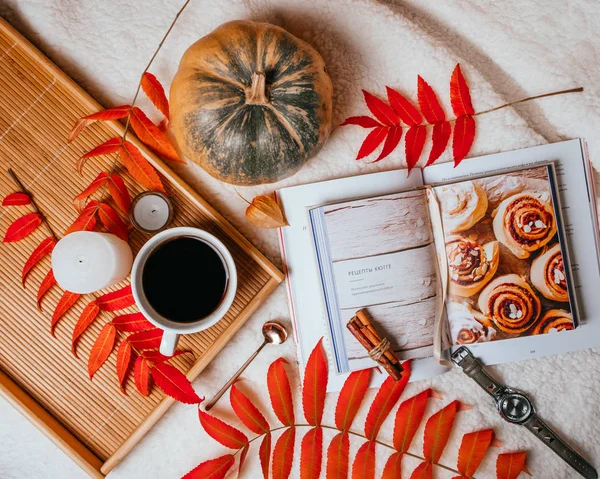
(251, 103)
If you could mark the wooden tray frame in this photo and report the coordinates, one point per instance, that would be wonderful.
(34, 410)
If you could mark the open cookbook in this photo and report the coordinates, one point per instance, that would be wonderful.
(500, 254)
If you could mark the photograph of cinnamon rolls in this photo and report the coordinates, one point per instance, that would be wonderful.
(471, 265)
(548, 274)
(554, 321)
(463, 205)
(468, 325)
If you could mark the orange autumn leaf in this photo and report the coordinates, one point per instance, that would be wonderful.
(152, 136)
(423, 471)
(403, 107)
(460, 97)
(280, 392)
(247, 412)
(311, 454)
(265, 212)
(123, 362)
(108, 147)
(222, 432)
(283, 454)
(87, 317)
(264, 454)
(473, 449)
(146, 339)
(393, 467)
(114, 113)
(464, 135)
(350, 398)
(102, 348)
(112, 221)
(131, 323)
(45, 286)
(364, 463)
(428, 102)
(510, 465)
(156, 93)
(174, 383)
(65, 303)
(115, 300)
(439, 138)
(44, 248)
(408, 418)
(213, 469)
(139, 167)
(381, 110)
(437, 431)
(22, 227)
(413, 145)
(94, 186)
(386, 398)
(118, 192)
(86, 221)
(141, 376)
(338, 456)
(16, 199)
(315, 385)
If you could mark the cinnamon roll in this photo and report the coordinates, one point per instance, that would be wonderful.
(462, 204)
(510, 303)
(548, 275)
(470, 265)
(553, 321)
(524, 224)
(466, 326)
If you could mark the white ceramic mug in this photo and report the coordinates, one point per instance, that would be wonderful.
(172, 330)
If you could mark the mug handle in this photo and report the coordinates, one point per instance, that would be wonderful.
(168, 345)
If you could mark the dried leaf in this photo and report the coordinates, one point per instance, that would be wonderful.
(16, 199)
(65, 303)
(283, 454)
(86, 221)
(141, 375)
(437, 431)
(131, 323)
(102, 348)
(22, 227)
(44, 248)
(115, 300)
(405, 109)
(311, 454)
(87, 316)
(141, 170)
(372, 141)
(440, 136)
(115, 113)
(473, 449)
(363, 121)
(94, 186)
(429, 103)
(350, 398)
(464, 134)
(280, 392)
(146, 339)
(414, 142)
(118, 192)
(393, 467)
(510, 465)
(265, 212)
(315, 385)
(151, 135)
(123, 362)
(264, 453)
(391, 142)
(107, 148)
(213, 469)
(408, 418)
(423, 471)
(174, 383)
(364, 463)
(247, 412)
(112, 221)
(156, 93)
(45, 286)
(338, 455)
(460, 97)
(382, 111)
(222, 432)
(384, 401)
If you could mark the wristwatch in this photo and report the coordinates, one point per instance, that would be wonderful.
(516, 408)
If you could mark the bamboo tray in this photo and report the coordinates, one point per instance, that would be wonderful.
(91, 421)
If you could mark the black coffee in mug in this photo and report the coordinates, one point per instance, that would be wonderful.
(184, 279)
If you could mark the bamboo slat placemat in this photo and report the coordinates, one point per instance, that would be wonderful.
(90, 420)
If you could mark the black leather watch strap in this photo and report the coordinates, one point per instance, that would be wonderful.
(554, 442)
(473, 368)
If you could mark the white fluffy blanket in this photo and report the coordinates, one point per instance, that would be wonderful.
(508, 50)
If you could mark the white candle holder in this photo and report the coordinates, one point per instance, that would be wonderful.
(151, 212)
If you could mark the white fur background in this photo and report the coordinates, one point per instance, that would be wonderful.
(508, 50)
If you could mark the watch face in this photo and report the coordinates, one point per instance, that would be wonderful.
(514, 407)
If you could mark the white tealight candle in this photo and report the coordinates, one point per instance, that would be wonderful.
(151, 212)
(86, 261)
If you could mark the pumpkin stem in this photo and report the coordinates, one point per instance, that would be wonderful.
(256, 94)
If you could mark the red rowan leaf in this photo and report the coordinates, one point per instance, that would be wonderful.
(372, 141)
(510, 465)
(174, 383)
(393, 467)
(123, 362)
(439, 137)
(141, 375)
(243, 455)
(67, 300)
(108, 147)
(22, 227)
(464, 134)
(405, 109)
(115, 300)
(131, 323)
(213, 469)
(118, 192)
(384, 401)
(163, 125)
(414, 142)
(45, 286)
(156, 357)
(364, 463)
(429, 103)
(338, 456)
(222, 432)
(94, 186)
(247, 412)
(460, 97)
(280, 392)
(146, 339)
(437, 431)
(86, 221)
(315, 385)
(408, 418)
(423, 471)
(112, 221)
(87, 316)
(156, 93)
(16, 199)
(283, 454)
(151, 135)
(264, 453)
(115, 113)
(44, 248)
(362, 121)
(142, 171)
(350, 398)
(391, 142)
(102, 348)
(311, 454)
(382, 111)
(473, 449)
